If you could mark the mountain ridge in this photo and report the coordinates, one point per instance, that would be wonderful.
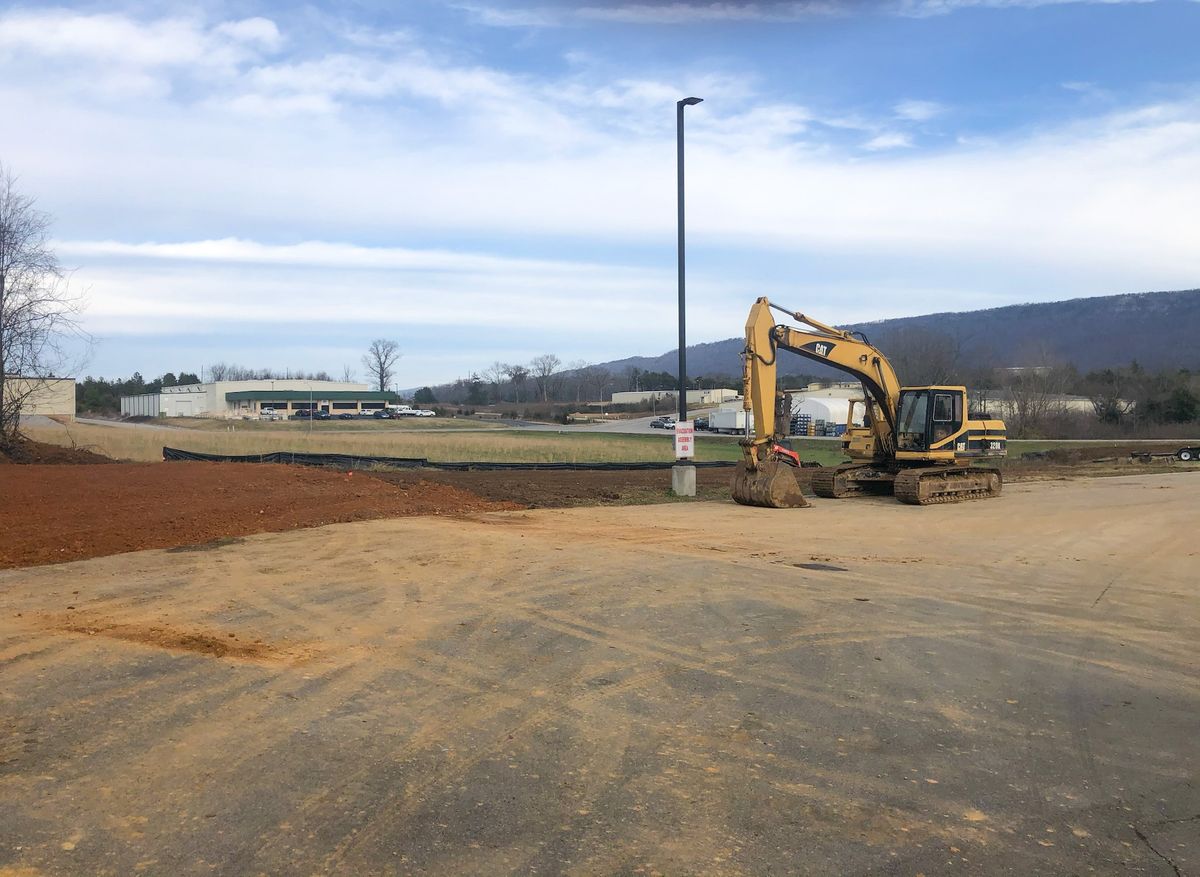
(1156, 329)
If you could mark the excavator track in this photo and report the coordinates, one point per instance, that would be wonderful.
(933, 485)
(836, 482)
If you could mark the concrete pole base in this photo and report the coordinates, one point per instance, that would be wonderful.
(683, 480)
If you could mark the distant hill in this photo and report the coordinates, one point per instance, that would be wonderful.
(1158, 329)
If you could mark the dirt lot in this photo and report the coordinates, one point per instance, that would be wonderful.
(56, 513)
(856, 688)
(49, 514)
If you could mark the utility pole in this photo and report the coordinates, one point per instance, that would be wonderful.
(683, 473)
(679, 106)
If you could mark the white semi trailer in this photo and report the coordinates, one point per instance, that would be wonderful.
(730, 421)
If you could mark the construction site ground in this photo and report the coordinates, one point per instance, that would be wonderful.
(999, 687)
(51, 512)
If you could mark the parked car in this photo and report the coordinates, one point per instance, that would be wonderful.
(345, 415)
(662, 423)
(425, 412)
(322, 415)
(700, 422)
(303, 412)
(382, 414)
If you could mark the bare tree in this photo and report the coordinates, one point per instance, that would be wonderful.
(922, 356)
(495, 374)
(1035, 391)
(517, 376)
(1111, 393)
(599, 378)
(543, 368)
(347, 374)
(36, 311)
(380, 362)
(577, 375)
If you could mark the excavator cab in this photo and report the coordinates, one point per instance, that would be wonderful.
(928, 416)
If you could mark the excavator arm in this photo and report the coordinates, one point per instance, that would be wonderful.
(821, 343)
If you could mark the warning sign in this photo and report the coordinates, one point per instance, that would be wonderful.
(685, 440)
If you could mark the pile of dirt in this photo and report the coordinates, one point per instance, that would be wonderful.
(30, 452)
(563, 488)
(51, 514)
(1096, 453)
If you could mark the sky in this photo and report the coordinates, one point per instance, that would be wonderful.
(276, 184)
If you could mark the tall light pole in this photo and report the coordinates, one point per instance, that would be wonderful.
(679, 105)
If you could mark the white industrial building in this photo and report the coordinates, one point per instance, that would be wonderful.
(694, 397)
(236, 399)
(48, 397)
(821, 401)
(828, 402)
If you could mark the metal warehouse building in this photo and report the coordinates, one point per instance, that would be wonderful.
(236, 399)
(49, 397)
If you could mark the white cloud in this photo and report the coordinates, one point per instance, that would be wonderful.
(259, 31)
(682, 13)
(494, 16)
(424, 149)
(696, 13)
(653, 13)
(926, 8)
(116, 57)
(431, 301)
(918, 110)
(327, 254)
(889, 140)
(119, 39)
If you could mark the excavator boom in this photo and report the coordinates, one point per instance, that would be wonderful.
(837, 348)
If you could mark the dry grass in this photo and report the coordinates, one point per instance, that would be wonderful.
(363, 424)
(498, 445)
(145, 443)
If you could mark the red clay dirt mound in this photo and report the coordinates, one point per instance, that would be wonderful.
(29, 452)
(51, 514)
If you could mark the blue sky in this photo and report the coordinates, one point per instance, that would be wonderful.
(482, 180)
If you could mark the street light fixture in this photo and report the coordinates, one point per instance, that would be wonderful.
(679, 105)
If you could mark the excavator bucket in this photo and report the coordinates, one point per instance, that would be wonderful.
(771, 485)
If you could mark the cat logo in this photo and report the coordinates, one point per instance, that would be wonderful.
(962, 446)
(820, 348)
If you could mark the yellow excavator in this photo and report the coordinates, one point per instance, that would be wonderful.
(915, 442)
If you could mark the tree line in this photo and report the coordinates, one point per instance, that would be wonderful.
(1034, 396)
(544, 379)
(103, 396)
(221, 371)
(1034, 399)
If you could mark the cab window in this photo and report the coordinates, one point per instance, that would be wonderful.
(912, 413)
(943, 408)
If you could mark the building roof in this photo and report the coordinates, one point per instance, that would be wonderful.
(316, 395)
